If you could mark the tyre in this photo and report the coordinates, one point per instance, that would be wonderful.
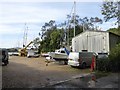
(72, 66)
(29, 56)
(65, 62)
(83, 65)
(5, 63)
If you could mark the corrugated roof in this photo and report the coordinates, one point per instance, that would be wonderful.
(96, 31)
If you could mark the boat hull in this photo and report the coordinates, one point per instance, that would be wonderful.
(58, 56)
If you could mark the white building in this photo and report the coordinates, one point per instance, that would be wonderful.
(95, 41)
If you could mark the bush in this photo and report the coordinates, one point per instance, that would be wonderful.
(103, 64)
(115, 58)
(112, 63)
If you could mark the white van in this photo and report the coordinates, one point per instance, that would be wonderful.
(80, 59)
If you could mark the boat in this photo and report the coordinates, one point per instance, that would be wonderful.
(32, 53)
(59, 54)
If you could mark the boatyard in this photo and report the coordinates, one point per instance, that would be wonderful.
(59, 45)
(23, 72)
(30, 73)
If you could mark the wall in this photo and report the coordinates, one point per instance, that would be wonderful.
(93, 41)
(114, 39)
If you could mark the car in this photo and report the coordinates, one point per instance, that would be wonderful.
(5, 56)
(102, 55)
(13, 53)
(81, 59)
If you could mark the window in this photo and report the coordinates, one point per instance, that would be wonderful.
(62, 51)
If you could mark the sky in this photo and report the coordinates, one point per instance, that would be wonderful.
(14, 14)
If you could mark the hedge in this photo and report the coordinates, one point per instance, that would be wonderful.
(112, 63)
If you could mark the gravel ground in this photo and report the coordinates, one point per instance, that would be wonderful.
(33, 73)
(23, 72)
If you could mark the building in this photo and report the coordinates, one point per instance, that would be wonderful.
(95, 41)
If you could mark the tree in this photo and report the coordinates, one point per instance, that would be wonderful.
(36, 42)
(89, 23)
(55, 37)
(111, 10)
(114, 30)
(51, 37)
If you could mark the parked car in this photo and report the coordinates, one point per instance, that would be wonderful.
(102, 55)
(4, 56)
(80, 59)
(13, 53)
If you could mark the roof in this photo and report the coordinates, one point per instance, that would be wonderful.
(114, 34)
(97, 31)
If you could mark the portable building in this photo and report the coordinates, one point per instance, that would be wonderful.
(95, 41)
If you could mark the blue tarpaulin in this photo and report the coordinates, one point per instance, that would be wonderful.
(67, 51)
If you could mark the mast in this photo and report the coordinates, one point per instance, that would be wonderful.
(73, 18)
(25, 36)
(74, 15)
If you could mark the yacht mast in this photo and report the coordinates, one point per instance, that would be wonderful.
(74, 16)
(25, 35)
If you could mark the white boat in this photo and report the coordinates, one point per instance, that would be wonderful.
(32, 53)
(59, 54)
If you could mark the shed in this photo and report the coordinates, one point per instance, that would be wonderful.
(95, 41)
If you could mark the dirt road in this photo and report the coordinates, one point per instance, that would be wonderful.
(23, 72)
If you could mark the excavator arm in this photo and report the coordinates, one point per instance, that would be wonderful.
(28, 45)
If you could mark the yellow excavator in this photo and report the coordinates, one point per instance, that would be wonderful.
(23, 51)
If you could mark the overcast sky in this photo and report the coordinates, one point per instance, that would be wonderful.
(14, 14)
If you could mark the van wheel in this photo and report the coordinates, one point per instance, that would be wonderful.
(65, 62)
(5, 64)
(84, 65)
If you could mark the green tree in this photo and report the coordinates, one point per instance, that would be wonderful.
(53, 36)
(115, 58)
(36, 42)
(55, 39)
(114, 30)
(111, 10)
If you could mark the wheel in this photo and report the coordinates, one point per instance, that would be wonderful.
(72, 66)
(65, 62)
(29, 56)
(83, 65)
(5, 63)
